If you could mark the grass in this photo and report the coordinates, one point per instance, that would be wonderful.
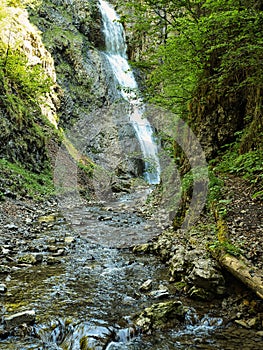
(16, 181)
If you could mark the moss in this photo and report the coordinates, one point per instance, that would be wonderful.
(180, 286)
(162, 315)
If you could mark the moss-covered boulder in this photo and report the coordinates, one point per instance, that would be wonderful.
(162, 315)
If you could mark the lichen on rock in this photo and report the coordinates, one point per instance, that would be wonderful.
(161, 315)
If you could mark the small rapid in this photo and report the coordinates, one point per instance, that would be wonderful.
(127, 86)
(86, 296)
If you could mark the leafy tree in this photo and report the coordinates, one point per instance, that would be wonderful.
(204, 42)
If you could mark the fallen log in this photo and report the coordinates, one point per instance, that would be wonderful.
(244, 271)
(240, 267)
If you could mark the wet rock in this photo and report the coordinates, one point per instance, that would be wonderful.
(47, 218)
(205, 275)
(4, 269)
(19, 318)
(3, 288)
(87, 336)
(200, 293)
(160, 293)
(147, 285)
(31, 259)
(69, 239)
(59, 252)
(250, 323)
(6, 251)
(161, 316)
(142, 248)
(11, 226)
(52, 249)
(242, 323)
(53, 260)
(104, 218)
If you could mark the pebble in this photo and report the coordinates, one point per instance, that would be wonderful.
(147, 285)
(69, 239)
(3, 288)
(52, 260)
(158, 294)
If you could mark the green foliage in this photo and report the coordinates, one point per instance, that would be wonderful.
(198, 42)
(87, 167)
(22, 3)
(215, 188)
(18, 181)
(24, 131)
(21, 85)
(248, 165)
(227, 247)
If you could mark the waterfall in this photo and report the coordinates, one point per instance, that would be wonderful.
(116, 54)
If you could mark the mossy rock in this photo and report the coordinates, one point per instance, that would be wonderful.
(162, 315)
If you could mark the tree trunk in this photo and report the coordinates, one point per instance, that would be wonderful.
(244, 271)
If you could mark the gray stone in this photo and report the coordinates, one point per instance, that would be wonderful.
(206, 275)
(4, 269)
(3, 288)
(162, 315)
(19, 318)
(147, 285)
(160, 293)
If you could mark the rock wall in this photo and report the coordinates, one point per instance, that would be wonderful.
(218, 116)
(71, 31)
(25, 36)
(28, 120)
(65, 39)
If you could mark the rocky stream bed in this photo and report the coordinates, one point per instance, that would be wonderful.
(65, 283)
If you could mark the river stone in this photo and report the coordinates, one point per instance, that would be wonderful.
(32, 259)
(178, 263)
(3, 288)
(69, 239)
(147, 285)
(206, 275)
(161, 315)
(19, 318)
(5, 269)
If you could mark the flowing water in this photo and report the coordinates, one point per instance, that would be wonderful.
(128, 88)
(87, 290)
(87, 298)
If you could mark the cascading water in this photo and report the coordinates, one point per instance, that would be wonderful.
(117, 57)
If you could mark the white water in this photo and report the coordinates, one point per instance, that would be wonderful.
(117, 57)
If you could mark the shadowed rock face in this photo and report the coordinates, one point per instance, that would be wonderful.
(66, 39)
(22, 126)
(72, 33)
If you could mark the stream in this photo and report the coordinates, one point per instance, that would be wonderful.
(85, 294)
(85, 282)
